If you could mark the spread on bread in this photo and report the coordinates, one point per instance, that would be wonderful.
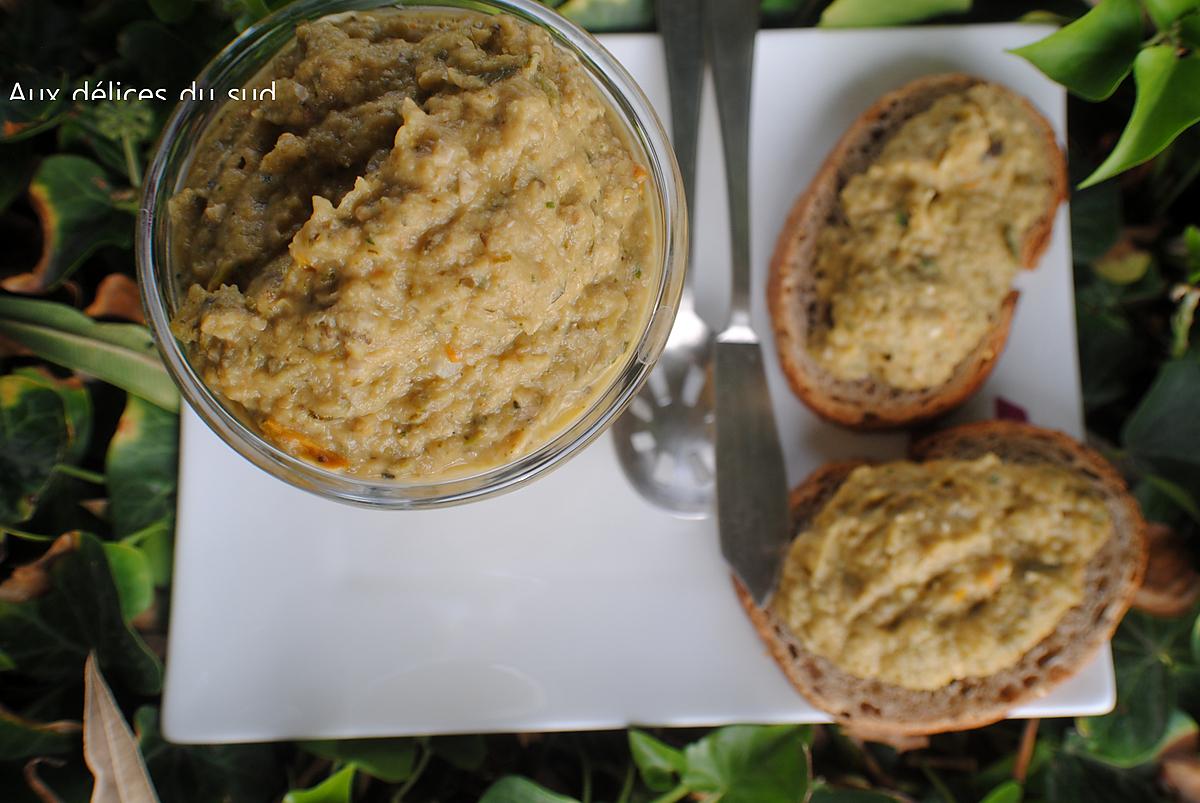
(928, 239)
(918, 574)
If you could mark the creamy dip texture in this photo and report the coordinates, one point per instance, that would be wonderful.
(917, 574)
(426, 256)
(915, 274)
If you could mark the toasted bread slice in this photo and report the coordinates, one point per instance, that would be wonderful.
(1111, 578)
(792, 295)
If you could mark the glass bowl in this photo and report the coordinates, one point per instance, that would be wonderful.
(162, 285)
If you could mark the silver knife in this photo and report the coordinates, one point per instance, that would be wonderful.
(752, 508)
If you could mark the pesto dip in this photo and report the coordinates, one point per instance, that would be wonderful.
(918, 574)
(426, 256)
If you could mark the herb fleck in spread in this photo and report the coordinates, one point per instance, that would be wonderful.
(918, 574)
(421, 259)
(928, 243)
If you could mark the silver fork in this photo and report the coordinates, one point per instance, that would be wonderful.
(664, 441)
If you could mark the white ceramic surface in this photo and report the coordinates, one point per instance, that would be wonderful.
(570, 604)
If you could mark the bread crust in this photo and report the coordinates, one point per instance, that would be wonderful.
(791, 295)
(1111, 579)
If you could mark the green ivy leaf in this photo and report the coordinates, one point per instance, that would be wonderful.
(161, 57)
(1007, 792)
(1001, 770)
(1194, 642)
(1074, 779)
(171, 11)
(141, 467)
(750, 764)
(1191, 241)
(16, 168)
(24, 738)
(207, 773)
(73, 200)
(1096, 221)
(659, 764)
(828, 794)
(37, 112)
(33, 439)
(515, 789)
(334, 789)
(1124, 265)
(1110, 355)
(1144, 651)
(122, 354)
(1165, 12)
(1042, 17)
(609, 15)
(466, 752)
(880, 13)
(77, 405)
(1167, 103)
(1162, 433)
(1177, 495)
(1122, 754)
(1189, 29)
(49, 637)
(132, 577)
(780, 10)
(1093, 54)
(389, 760)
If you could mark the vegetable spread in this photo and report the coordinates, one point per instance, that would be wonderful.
(915, 271)
(427, 255)
(918, 574)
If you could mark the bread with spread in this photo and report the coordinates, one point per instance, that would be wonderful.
(890, 288)
(938, 593)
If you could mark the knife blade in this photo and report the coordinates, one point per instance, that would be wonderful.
(752, 508)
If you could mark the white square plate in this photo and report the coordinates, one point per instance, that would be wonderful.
(571, 604)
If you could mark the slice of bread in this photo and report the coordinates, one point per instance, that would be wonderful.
(792, 295)
(1111, 578)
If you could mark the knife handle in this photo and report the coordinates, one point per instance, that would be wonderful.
(731, 26)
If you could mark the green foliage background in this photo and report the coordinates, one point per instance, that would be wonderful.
(88, 439)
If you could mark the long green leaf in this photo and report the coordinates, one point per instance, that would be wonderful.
(609, 15)
(1165, 12)
(878, 13)
(1093, 54)
(1168, 101)
(515, 789)
(119, 353)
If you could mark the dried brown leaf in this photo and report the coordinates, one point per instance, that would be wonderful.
(1171, 585)
(36, 784)
(897, 741)
(109, 748)
(33, 579)
(1182, 774)
(97, 507)
(58, 726)
(117, 297)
